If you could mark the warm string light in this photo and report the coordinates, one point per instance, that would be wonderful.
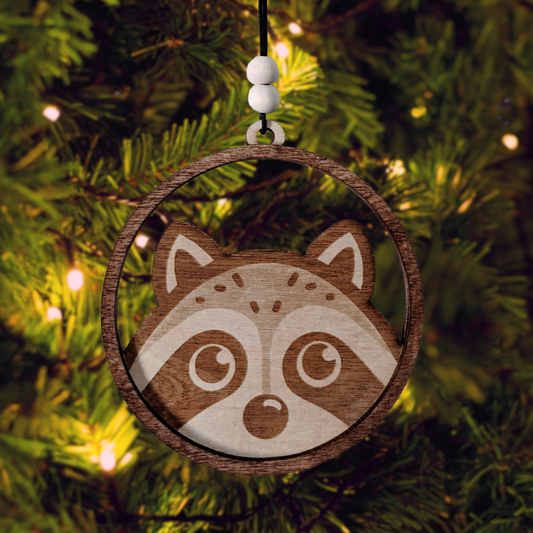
(126, 459)
(418, 112)
(75, 279)
(51, 112)
(142, 240)
(223, 206)
(396, 168)
(463, 208)
(53, 313)
(282, 50)
(107, 461)
(510, 141)
(295, 28)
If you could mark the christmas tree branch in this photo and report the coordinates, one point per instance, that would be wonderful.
(282, 495)
(133, 276)
(247, 234)
(432, 88)
(102, 194)
(362, 474)
(525, 245)
(320, 26)
(182, 517)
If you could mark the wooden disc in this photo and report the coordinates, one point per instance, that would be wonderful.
(325, 264)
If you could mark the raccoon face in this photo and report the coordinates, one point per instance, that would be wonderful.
(263, 353)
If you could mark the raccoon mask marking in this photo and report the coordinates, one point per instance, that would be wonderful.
(263, 353)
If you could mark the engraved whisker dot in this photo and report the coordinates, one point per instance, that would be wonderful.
(330, 296)
(310, 286)
(238, 280)
(220, 288)
(293, 279)
(277, 306)
(200, 299)
(255, 307)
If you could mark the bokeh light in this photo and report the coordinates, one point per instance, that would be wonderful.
(282, 50)
(51, 112)
(142, 240)
(126, 459)
(75, 279)
(510, 141)
(418, 112)
(396, 168)
(53, 313)
(108, 461)
(295, 28)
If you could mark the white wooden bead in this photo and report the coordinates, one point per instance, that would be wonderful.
(262, 70)
(263, 98)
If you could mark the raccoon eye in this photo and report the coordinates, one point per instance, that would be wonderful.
(319, 364)
(212, 367)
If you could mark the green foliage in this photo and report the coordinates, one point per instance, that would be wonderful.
(40, 41)
(414, 96)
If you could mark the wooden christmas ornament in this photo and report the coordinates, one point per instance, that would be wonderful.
(264, 361)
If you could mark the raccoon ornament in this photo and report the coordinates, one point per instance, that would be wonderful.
(266, 353)
(268, 361)
(265, 361)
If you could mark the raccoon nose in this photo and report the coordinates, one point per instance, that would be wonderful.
(266, 416)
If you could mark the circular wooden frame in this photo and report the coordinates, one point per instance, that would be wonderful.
(411, 336)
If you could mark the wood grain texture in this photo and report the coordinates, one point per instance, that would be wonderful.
(263, 353)
(327, 273)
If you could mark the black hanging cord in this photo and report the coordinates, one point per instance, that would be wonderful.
(263, 47)
(263, 27)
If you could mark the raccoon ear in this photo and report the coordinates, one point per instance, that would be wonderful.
(346, 249)
(181, 252)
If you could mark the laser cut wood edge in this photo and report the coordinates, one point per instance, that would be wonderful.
(411, 337)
